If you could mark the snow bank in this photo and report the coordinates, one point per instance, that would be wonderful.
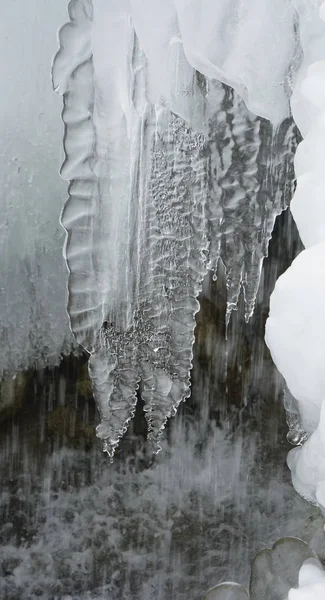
(296, 325)
(311, 582)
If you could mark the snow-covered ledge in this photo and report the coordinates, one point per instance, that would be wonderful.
(295, 330)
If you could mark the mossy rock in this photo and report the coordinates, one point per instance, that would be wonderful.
(12, 394)
(65, 424)
(83, 386)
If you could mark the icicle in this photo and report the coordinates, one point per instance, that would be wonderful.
(165, 178)
(248, 160)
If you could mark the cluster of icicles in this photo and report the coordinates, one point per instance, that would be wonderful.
(167, 177)
(168, 174)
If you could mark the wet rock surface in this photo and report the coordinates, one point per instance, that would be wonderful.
(165, 526)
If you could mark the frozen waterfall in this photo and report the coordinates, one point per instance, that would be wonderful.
(34, 329)
(155, 196)
(189, 128)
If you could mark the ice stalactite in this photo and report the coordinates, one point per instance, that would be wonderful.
(169, 172)
(295, 329)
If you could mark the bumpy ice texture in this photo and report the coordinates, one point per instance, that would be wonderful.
(168, 173)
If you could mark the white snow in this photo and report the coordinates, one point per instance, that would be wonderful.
(295, 336)
(295, 330)
(311, 582)
(166, 170)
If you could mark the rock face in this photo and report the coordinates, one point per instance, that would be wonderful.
(13, 391)
(146, 527)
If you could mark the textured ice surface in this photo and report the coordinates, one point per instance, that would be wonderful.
(34, 327)
(248, 44)
(308, 203)
(164, 181)
(166, 527)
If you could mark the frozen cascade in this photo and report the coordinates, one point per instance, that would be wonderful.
(295, 329)
(250, 45)
(156, 197)
(170, 177)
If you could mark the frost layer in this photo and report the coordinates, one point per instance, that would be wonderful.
(168, 173)
(295, 329)
(34, 329)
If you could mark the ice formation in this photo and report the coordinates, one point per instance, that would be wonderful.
(295, 329)
(34, 329)
(167, 174)
(311, 582)
(295, 337)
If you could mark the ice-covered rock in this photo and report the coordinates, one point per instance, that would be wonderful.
(168, 174)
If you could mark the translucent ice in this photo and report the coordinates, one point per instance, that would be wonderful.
(275, 570)
(248, 44)
(168, 173)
